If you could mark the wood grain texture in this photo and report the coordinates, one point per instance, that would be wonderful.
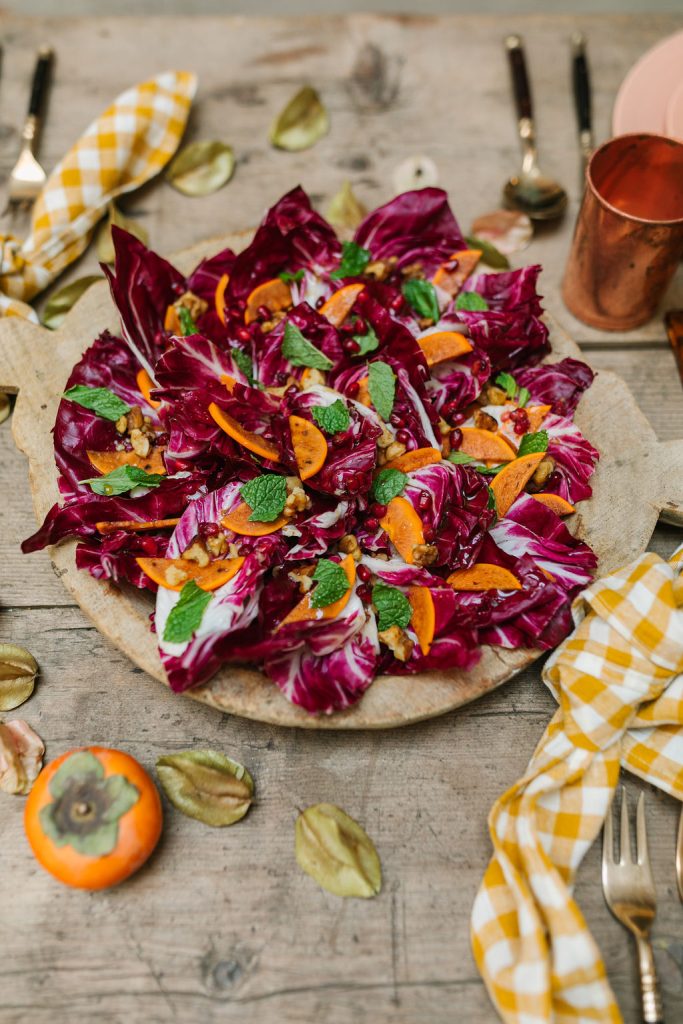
(221, 926)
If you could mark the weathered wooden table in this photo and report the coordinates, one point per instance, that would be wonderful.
(221, 925)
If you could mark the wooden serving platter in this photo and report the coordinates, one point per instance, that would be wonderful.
(637, 480)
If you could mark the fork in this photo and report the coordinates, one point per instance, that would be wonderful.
(28, 177)
(630, 894)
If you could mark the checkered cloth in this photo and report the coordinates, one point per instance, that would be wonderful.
(618, 680)
(121, 150)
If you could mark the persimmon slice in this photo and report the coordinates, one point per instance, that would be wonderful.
(145, 384)
(512, 480)
(340, 303)
(485, 445)
(247, 438)
(238, 521)
(228, 380)
(404, 527)
(274, 294)
(172, 321)
(219, 297)
(555, 503)
(443, 345)
(450, 278)
(423, 619)
(310, 446)
(107, 462)
(536, 414)
(484, 576)
(136, 525)
(363, 393)
(416, 459)
(304, 610)
(210, 577)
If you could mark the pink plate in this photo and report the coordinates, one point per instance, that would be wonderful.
(644, 95)
(674, 114)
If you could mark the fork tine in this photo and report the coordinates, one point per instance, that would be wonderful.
(608, 840)
(625, 842)
(641, 833)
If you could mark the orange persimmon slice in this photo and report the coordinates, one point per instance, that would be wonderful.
(423, 619)
(219, 297)
(210, 577)
(172, 321)
(145, 384)
(536, 414)
(555, 503)
(485, 445)
(238, 521)
(228, 381)
(135, 525)
(340, 303)
(404, 527)
(443, 345)
(304, 610)
(310, 446)
(107, 462)
(418, 458)
(484, 576)
(512, 480)
(363, 393)
(274, 294)
(247, 438)
(451, 279)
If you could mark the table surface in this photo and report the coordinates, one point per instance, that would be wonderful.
(221, 925)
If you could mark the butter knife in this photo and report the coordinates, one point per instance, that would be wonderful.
(582, 101)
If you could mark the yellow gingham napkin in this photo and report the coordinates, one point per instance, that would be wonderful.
(122, 149)
(618, 680)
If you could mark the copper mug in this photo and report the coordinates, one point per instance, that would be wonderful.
(628, 239)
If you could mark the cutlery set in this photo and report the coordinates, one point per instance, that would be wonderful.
(28, 177)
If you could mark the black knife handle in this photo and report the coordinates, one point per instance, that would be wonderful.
(41, 81)
(582, 88)
(520, 78)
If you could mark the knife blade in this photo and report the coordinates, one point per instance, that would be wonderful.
(582, 101)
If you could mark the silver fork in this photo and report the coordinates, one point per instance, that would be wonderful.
(28, 177)
(630, 894)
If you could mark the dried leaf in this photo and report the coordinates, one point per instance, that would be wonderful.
(104, 244)
(303, 121)
(60, 302)
(509, 230)
(201, 168)
(345, 210)
(415, 172)
(21, 756)
(335, 851)
(206, 785)
(18, 671)
(4, 408)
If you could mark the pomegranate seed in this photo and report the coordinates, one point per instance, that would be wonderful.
(396, 303)
(162, 438)
(475, 368)
(149, 545)
(365, 593)
(243, 334)
(234, 313)
(363, 573)
(292, 391)
(450, 408)
(353, 485)
(351, 346)
(424, 500)
(378, 511)
(455, 437)
(320, 302)
(402, 436)
(359, 326)
(397, 420)
(428, 533)
(371, 523)
(352, 389)
(241, 305)
(347, 328)
(263, 312)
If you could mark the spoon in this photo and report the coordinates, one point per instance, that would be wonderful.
(530, 191)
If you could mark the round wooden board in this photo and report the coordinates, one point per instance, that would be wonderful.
(637, 480)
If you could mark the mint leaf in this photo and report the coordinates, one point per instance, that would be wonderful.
(101, 401)
(508, 383)
(421, 295)
(392, 606)
(333, 419)
(491, 501)
(187, 324)
(382, 388)
(367, 342)
(532, 443)
(288, 277)
(185, 617)
(299, 352)
(471, 301)
(491, 256)
(332, 583)
(388, 484)
(489, 470)
(523, 397)
(460, 458)
(266, 496)
(353, 262)
(243, 363)
(123, 479)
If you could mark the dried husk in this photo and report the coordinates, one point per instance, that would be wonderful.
(18, 670)
(415, 172)
(60, 302)
(105, 245)
(206, 785)
(302, 122)
(21, 756)
(345, 210)
(201, 168)
(335, 851)
(4, 407)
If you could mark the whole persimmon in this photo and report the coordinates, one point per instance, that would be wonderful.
(93, 817)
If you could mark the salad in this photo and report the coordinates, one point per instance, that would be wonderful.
(330, 459)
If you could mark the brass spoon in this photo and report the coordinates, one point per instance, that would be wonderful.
(530, 191)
